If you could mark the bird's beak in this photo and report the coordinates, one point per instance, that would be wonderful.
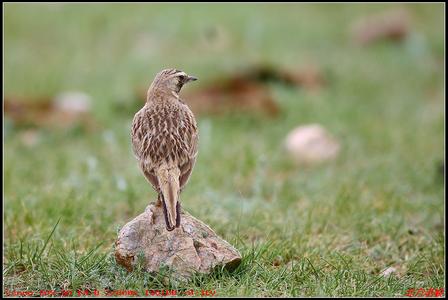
(191, 78)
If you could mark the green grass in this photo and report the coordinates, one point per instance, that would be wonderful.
(328, 230)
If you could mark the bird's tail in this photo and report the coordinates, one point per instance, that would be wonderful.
(169, 186)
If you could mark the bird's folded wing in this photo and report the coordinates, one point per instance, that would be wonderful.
(152, 178)
(185, 172)
(136, 135)
(141, 136)
(187, 167)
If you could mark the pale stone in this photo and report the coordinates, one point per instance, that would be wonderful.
(191, 248)
(388, 271)
(311, 144)
(73, 102)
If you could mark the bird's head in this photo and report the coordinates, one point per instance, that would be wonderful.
(171, 80)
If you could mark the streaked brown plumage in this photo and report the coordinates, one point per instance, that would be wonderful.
(164, 139)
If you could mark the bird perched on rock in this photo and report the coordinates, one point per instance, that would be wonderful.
(164, 139)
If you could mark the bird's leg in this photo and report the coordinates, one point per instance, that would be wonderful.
(159, 199)
(178, 214)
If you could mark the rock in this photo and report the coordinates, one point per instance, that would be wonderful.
(310, 144)
(388, 271)
(191, 248)
(73, 102)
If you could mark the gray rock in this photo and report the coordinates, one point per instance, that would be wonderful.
(191, 248)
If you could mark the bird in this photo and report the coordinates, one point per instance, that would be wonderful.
(164, 138)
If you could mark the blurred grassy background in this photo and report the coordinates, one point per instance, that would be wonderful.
(378, 205)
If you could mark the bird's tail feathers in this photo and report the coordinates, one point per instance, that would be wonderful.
(169, 186)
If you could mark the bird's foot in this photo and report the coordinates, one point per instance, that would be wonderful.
(159, 202)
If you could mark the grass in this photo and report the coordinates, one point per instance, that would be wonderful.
(328, 230)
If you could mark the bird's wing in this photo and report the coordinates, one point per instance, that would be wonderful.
(151, 177)
(185, 171)
(192, 136)
(141, 135)
(137, 134)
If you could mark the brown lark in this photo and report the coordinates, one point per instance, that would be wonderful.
(164, 139)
